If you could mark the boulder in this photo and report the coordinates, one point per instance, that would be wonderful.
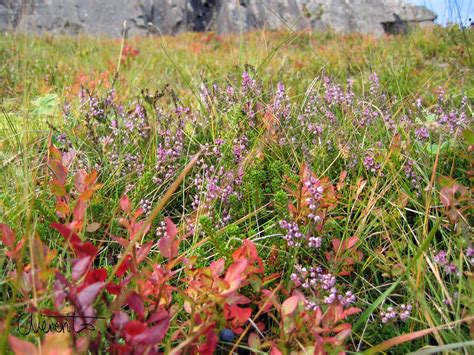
(144, 17)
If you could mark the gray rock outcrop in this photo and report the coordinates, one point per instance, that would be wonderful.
(106, 17)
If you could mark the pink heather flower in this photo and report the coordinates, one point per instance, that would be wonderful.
(316, 193)
(470, 254)
(161, 229)
(145, 205)
(405, 312)
(440, 258)
(402, 313)
(374, 83)
(248, 84)
(370, 165)
(422, 133)
(451, 268)
(314, 242)
(418, 102)
(293, 236)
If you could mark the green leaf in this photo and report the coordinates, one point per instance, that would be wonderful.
(45, 105)
(432, 149)
(468, 136)
(431, 118)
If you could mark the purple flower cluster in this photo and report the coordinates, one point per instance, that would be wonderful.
(448, 301)
(422, 133)
(315, 191)
(389, 122)
(161, 229)
(168, 153)
(295, 238)
(215, 185)
(320, 287)
(402, 313)
(315, 242)
(205, 95)
(334, 94)
(145, 205)
(240, 148)
(307, 119)
(374, 84)
(370, 164)
(281, 104)
(293, 235)
(410, 174)
(453, 120)
(470, 254)
(95, 108)
(367, 116)
(249, 85)
(441, 259)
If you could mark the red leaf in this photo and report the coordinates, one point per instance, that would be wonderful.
(80, 180)
(123, 242)
(341, 327)
(59, 170)
(236, 314)
(113, 289)
(62, 209)
(68, 234)
(170, 228)
(235, 275)
(249, 251)
(96, 275)
(8, 237)
(55, 152)
(158, 315)
(59, 295)
(274, 351)
(352, 310)
(289, 306)
(124, 266)
(125, 204)
(333, 315)
(68, 157)
(119, 320)
(91, 178)
(144, 251)
(79, 210)
(85, 249)
(169, 244)
(136, 228)
(209, 346)
(133, 328)
(86, 195)
(351, 242)
(336, 244)
(342, 335)
(87, 296)
(21, 347)
(135, 302)
(92, 227)
(57, 188)
(80, 267)
(217, 267)
(154, 334)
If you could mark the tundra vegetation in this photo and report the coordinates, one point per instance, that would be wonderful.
(272, 192)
